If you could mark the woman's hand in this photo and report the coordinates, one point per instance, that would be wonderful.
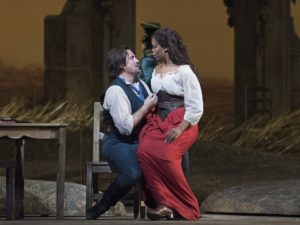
(173, 134)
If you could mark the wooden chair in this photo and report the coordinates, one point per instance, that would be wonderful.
(10, 190)
(100, 167)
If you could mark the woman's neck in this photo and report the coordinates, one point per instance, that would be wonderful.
(168, 62)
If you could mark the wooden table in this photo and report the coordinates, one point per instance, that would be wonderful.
(19, 132)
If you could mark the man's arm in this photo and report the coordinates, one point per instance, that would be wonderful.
(118, 105)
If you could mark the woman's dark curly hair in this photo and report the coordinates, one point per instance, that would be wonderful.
(116, 60)
(170, 39)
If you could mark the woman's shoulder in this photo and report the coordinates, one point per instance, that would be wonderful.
(185, 68)
(186, 71)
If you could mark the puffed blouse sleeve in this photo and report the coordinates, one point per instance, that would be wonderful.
(193, 99)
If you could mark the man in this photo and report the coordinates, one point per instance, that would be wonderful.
(126, 102)
(147, 60)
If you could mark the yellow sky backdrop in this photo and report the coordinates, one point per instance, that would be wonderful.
(202, 24)
(22, 29)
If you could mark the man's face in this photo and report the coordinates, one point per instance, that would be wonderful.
(132, 63)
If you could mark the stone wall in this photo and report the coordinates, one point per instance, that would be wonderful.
(76, 44)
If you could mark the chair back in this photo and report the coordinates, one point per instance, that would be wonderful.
(97, 134)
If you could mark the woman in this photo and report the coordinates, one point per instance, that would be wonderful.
(170, 130)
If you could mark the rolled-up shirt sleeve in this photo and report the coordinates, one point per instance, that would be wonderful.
(119, 107)
(193, 99)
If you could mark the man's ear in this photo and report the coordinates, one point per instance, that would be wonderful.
(166, 50)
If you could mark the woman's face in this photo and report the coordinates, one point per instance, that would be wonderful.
(158, 52)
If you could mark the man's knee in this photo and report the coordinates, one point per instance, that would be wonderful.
(131, 177)
(135, 175)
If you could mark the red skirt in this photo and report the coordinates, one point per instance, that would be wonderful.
(161, 163)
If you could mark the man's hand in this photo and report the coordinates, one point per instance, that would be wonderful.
(150, 101)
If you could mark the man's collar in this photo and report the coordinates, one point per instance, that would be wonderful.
(127, 82)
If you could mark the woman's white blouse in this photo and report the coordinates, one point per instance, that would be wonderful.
(182, 82)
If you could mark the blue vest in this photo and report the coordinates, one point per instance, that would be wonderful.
(136, 104)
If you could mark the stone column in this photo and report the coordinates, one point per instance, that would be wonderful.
(262, 57)
(244, 22)
(76, 43)
(295, 69)
(278, 54)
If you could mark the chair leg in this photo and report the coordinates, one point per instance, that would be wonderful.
(137, 203)
(10, 194)
(95, 187)
(89, 186)
(142, 209)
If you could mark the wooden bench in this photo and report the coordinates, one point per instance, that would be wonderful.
(100, 167)
(10, 189)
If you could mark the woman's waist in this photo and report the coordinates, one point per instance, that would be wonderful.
(164, 110)
(170, 104)
(166, 100)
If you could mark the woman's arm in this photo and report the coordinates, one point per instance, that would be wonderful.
(193, 103)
